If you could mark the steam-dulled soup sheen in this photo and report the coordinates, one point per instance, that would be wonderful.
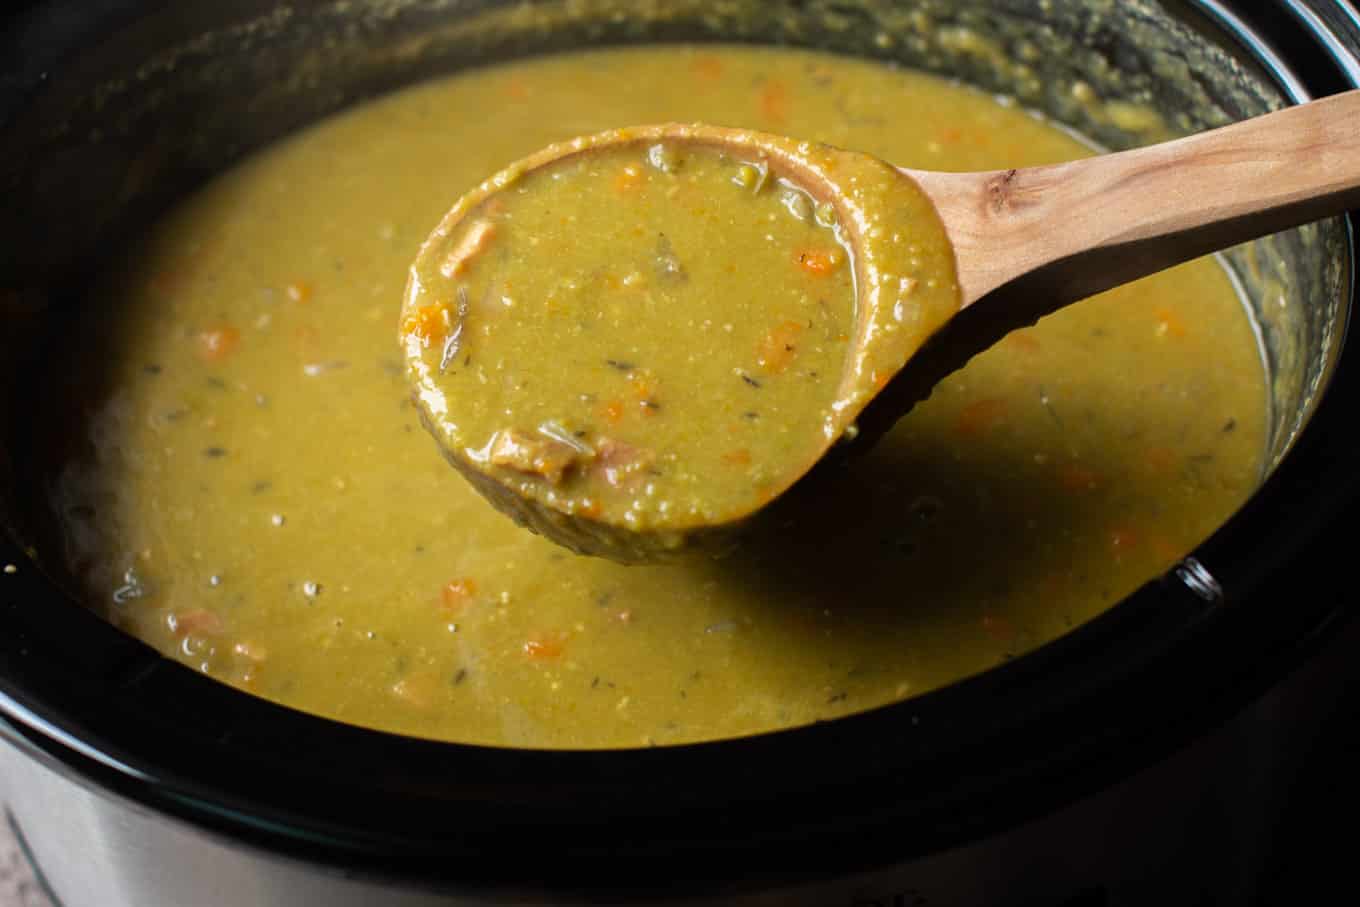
(243, 481)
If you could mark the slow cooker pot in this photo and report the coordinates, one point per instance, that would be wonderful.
(1121, 764)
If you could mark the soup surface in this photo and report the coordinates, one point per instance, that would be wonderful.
(659, 328)
(615, 335)
(248, 488)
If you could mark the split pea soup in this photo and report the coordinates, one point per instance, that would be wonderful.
(644, 334)
(558, 324)
(243, 481)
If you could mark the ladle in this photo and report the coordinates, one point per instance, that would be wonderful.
(1026, 242)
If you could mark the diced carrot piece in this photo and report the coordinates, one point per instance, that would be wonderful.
(774, 101)
(471, 244)
(628, 179)
(644, 383)
(1169, 324)
(194, 622)
(546, 646)
(456, 593)
(981, 415)
(299, 291)
(612, 412)
(217, 343)
(819, 262)
(428, 323)
(777, 349)
(739, 457)
(517, 89)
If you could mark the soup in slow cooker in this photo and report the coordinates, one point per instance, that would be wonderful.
(244, 484)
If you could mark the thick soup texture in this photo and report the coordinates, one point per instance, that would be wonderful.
(644, 334)
(243, 481)
(662, 327)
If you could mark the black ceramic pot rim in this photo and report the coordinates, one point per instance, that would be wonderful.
(1178, 656)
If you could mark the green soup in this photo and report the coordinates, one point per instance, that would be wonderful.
(251, 492)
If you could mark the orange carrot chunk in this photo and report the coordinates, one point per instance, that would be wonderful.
(628, 179)
(739, 457)
(544, 646)
(430, 324)
(217, 343)
(194, 622)
(1169, 324)
(776, 350)
(819, 262)
(612, 412)
(456, 593)
(299, 291)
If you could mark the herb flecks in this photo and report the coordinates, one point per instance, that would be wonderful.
(454, 343)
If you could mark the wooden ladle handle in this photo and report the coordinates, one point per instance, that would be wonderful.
(1074, 229)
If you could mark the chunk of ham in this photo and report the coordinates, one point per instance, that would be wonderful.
(472, 243)
(621, 464)
(532, 454)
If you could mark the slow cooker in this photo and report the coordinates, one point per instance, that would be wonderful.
(1132, 761)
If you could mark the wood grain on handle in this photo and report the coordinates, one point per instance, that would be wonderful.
(1074, 229)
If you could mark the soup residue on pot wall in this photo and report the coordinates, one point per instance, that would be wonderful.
(248, 489)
